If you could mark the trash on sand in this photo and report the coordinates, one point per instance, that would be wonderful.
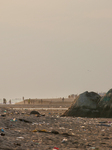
(25, 120)
(64, 140)
(62, 128)
(34, 112)
(70, 129)
(13, 119)
(3, 115)
(54, 132)
(107, 125)
(18, 144)
(2, 134)
(34, 123)
(65, 134)
(2, 130)
(43, 130)
(35, 130)
(37, 143)
(55, 148)
(20, 137)
(109, 122)
(82, 126)
(103, 122)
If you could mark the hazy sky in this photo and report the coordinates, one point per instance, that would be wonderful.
(53, 48)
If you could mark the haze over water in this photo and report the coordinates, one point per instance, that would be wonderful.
(55, 48)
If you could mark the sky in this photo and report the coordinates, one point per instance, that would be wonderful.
(54, 48)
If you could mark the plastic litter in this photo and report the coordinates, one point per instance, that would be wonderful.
(43, 130)
(18, 144)
(55, 148)
(3, 115)
(62, 128)
(13, 120)
(107, 125)
(103, 122)
(2, 130)
(35, 130)
(2, 134)
(25, 120)
(64, 140)
(20, 137)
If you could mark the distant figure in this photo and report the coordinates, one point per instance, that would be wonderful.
(10, 101)
(4, 101)
(29, 101)
(41, 101)
(63, 99)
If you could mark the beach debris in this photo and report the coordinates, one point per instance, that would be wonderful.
(34, 112)
(62, 128)
(25, 120)
(107, 125)
(6, 128)
(103, 122)
(34, 123)
(54, 132)
(2, 134)
(109, 122)
(18, 144)
(22, 113)
(3, 115)
(2, 130)
(14, 119)
(19, 138)
(43, 130)
(64, 140)
(55, 148)
(35, 130)
(65, 134)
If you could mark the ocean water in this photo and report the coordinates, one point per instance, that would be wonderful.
(13, 101)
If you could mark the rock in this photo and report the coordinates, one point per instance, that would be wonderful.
(85, 105)
(35, 112)
(105, 105)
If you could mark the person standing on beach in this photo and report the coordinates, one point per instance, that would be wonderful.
(29, 101)
(4, 101)
(10, 101)
(63, 99)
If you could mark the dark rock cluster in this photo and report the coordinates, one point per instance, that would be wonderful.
(90, 104)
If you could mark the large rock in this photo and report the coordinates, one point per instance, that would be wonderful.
(85, 105)
(106, 99)
(105, 105)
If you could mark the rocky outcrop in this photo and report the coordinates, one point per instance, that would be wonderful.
(90, 104)
(85, 105)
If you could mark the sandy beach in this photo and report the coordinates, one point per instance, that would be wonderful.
(21, 130)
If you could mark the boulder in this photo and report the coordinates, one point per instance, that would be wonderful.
(105, 105)
(34, 112)
(85, 105)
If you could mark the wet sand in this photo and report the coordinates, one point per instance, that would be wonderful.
(49, 130)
